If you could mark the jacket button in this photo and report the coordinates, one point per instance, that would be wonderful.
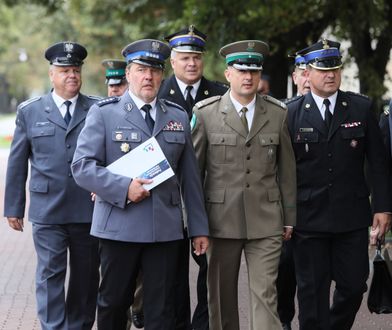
(70, 175)
(329, 154)
(247, 170)
(247, 185)
(330, 185)
(330, 170)
(248, 144)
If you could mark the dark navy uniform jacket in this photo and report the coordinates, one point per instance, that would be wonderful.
(333, 195)
(170, 91)
(43, 138)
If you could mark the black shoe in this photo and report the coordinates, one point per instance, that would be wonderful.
(286, 326)
(137, 319)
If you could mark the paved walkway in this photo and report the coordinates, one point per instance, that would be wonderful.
(17, 268)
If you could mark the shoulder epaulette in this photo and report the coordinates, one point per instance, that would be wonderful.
(221, 84)
(108, 100)
(94, 97)
(208, 101)
(27, 102)
(359, 94)
(274, 101)
(292, 99)
(172, 104)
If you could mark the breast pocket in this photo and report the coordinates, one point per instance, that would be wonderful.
(353, 138)
(269, 147)
(43, 139)
(175, 141)
(222, 148)
(304, 144)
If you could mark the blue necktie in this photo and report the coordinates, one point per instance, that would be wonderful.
(150, 122)
(67, 117)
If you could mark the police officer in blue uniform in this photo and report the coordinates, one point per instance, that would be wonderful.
(47, 128)
(139, 228)
(333, 134)
(186, 87)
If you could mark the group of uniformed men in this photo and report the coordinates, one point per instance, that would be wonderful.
(248, 169)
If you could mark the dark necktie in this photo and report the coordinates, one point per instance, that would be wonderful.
(150, 122)
(189, 99)
(67, 116)
(244, 110)
(328, 114)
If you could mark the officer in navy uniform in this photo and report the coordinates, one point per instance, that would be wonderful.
(333, 133)
(140, 228)
(47, 128)
(186, 87)
(286, 283)
(115, 76)
(386, 125)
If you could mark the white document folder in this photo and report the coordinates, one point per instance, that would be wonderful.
(146, 161)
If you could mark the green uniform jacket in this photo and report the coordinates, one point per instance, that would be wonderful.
(249, 179)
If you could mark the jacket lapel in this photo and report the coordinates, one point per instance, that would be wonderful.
(340, 113)
(80, 112)
(203, 91)
(259, 118)
(53, 113)
(231, 117)
(312, 114)
(132, 113)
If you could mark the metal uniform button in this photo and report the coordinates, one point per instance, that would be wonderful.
(248, 144)
(68, 146)
(247, 185)
(329, 154)
(330, 185)
(330, 170)
(247, 157)
(70, 175)
(248, 171)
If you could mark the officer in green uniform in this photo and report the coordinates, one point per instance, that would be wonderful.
(115, 76)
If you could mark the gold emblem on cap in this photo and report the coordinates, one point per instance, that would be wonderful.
(68, 47)
(206, 92)
(191, 29)
(155, 46)
(344, 104)
(119, 136)
(307, 105)
(251, 45)
(110, 64)
(124, 147)
(325, 44)
(171, 92)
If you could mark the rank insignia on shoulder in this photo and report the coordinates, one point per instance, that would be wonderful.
(27, 102)
(358, 94)
(167, 102)
(208, 101)
(353, 124)
(174, 126)
(108, 100)
(274, 101)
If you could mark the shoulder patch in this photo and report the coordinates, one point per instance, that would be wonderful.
(292, 99)
(274, 101)
(27, 102)
(208, 101)
(359, 94)
(173, 104)
(108, 100)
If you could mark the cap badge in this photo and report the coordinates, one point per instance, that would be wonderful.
(325, 44)
(155, 46)
(191, 29)
(68, 47)
(110, 64)
(251, 45)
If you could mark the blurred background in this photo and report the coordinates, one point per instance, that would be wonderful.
(104, 27)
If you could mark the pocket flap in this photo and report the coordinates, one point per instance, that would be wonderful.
(39, 186)
(223, 139)
(269, 139)
(174, 137)
(305, 137)
(129, 135)
(42, 131)
(352, 132)
(215, 196)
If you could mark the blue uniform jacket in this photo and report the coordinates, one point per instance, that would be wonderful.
(109, 126)
(42, 137)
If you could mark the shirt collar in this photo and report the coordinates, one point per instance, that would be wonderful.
(238, 106)
(183, 87)
(320, 101)
(139, 102)
(59, 101)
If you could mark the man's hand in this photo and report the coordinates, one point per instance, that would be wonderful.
(200, 244)
(15, 223)
(381, 224)
(136, 192)
(287, 231)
